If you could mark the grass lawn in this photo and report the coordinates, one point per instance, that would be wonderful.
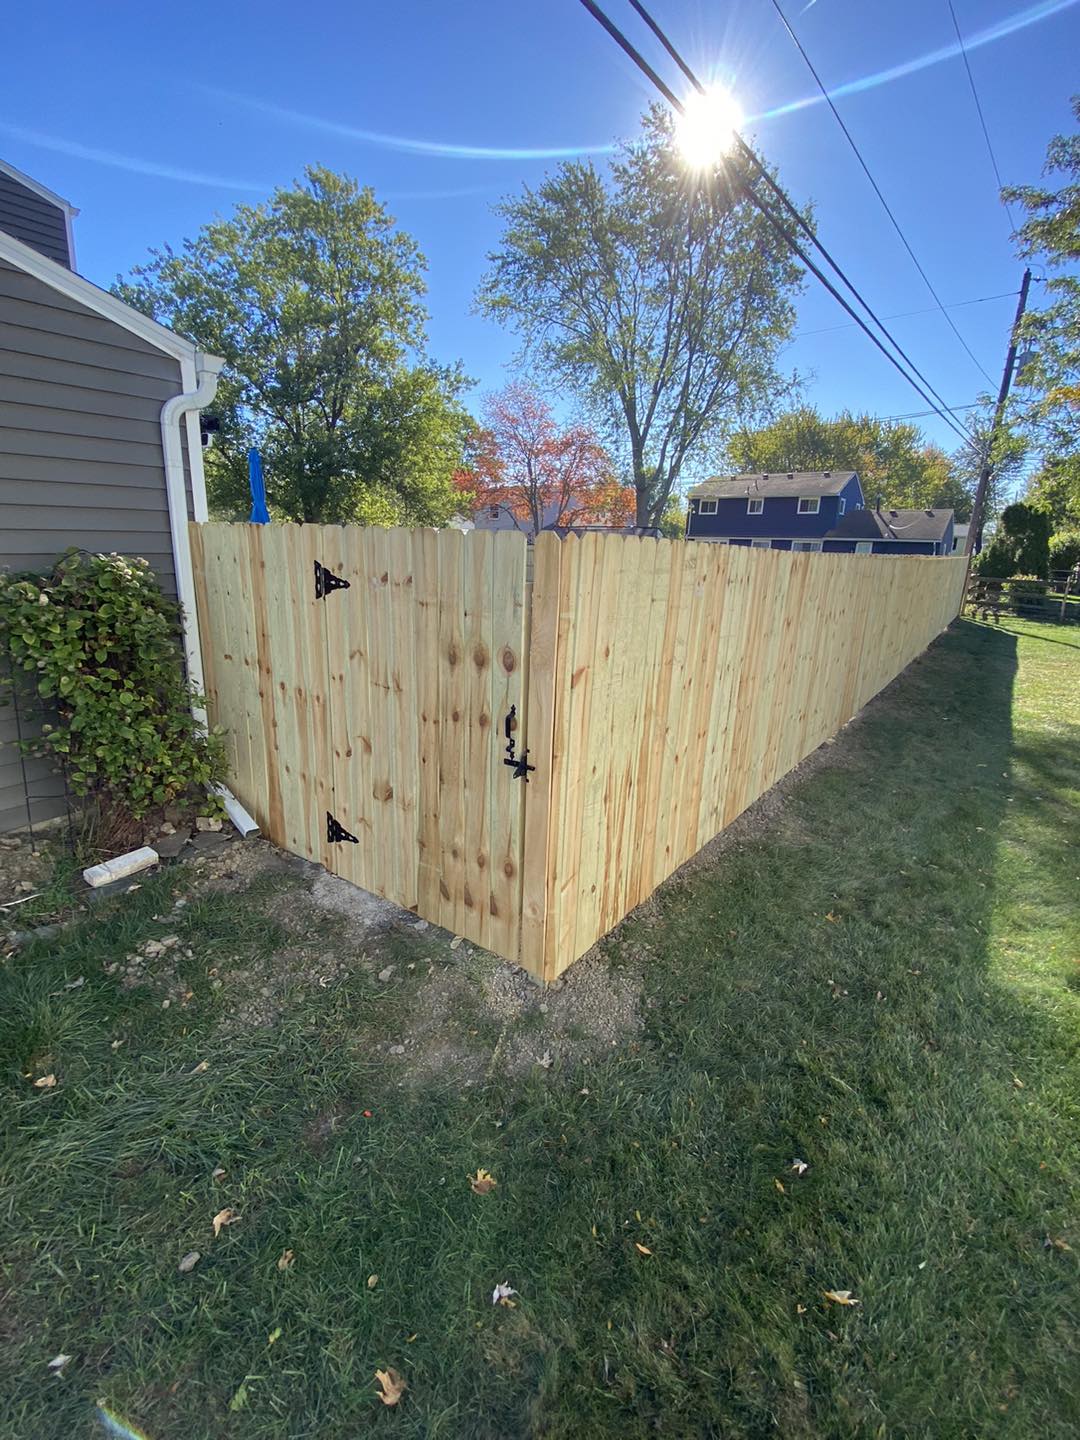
(882, 981)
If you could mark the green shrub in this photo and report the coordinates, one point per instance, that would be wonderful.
(996, 560)
(97, 641)
(1065, 549)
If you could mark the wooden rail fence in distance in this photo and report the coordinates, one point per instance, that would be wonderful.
(660, 687)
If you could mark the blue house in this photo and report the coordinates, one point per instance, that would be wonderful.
(773, 512)
(811, 510)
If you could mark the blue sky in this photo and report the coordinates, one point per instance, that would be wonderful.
(153, 120)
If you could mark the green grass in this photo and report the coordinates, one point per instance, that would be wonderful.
(884, 984)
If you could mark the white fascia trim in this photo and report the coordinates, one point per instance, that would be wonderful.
(58, 277)
(39, 189)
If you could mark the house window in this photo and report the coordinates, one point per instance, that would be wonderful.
(755, 507)
(761, 544)
(843, 506)
(806, 544)
(864, 547)
(809, 504)
(706, 507)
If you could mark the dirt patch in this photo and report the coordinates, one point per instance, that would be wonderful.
(485, 1016)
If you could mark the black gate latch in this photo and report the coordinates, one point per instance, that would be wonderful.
(336, 832)
(326, 581)
(519, 763)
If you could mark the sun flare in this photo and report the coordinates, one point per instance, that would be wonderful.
(706, 130)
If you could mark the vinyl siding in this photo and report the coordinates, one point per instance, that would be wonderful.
(33, 219)
(80, 463)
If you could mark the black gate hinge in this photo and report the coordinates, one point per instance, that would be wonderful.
(336, 832)
(518, 763)
(326, 581)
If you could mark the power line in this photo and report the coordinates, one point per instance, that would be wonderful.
(877, 190)
(921, 414)
(982, 117)
(770, 217)
(906, 314)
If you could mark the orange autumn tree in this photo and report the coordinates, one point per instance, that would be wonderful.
(543, 474)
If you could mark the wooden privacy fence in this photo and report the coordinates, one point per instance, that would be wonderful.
(384, 690)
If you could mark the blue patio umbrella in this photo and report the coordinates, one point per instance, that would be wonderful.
(259, 513)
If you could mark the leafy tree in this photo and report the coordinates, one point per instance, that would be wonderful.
(1055, 488)
(315, 301)
(652, 293)
(1008, 453)
(1051, 235)
(541, 473)
(894, 461)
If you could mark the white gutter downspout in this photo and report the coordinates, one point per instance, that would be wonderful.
(200, 378)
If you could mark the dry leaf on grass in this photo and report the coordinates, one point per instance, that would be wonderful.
(201, 1068)
(800, 1167)
(274, 1335)
(780, 1186)
(190, 1260)
(285, 1260)
(482, 1182)
(841, 1297)
(218, 1173)
(800, 1309)
(372, 1281)
(44, 1082)
(455, 942)
(393, 1386)
(1052, 1243)
(502, 1293)
(227, 1216)
(57, 1363)
(642, 1249)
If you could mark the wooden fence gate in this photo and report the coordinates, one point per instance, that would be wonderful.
(367, 679)
(379, 688)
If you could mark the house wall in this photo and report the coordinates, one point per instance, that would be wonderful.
(881, 547)
(81, 463)
(33, 219)
(779, 518)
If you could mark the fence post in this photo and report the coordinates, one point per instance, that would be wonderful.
(543, 632)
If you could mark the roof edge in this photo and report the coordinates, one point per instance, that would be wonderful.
(75, 287)
(38, 189)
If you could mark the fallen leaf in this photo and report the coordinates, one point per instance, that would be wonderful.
(116, 1044)
(224, 1217)
(1016, 1081)
(482, 1182)
(285, 1260)
(780, 1186)
(218, 1173)
(800, 1309)
(841, 1297)
(372, 1281)
(416, 1335)
(501, 1294)
(1050, 1243)
(393, 1386)
(201, 1068)
(240, 1399)
(455, 942)
(367, 1114)
(834, 918)
(57, 1363)
(76, 984)
(800, 1167)
(45, 1082)
(190, 1260)
(275, 1334)
(545, 1060)
(642, 1249)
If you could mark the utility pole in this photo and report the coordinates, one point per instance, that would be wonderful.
(975, 528)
